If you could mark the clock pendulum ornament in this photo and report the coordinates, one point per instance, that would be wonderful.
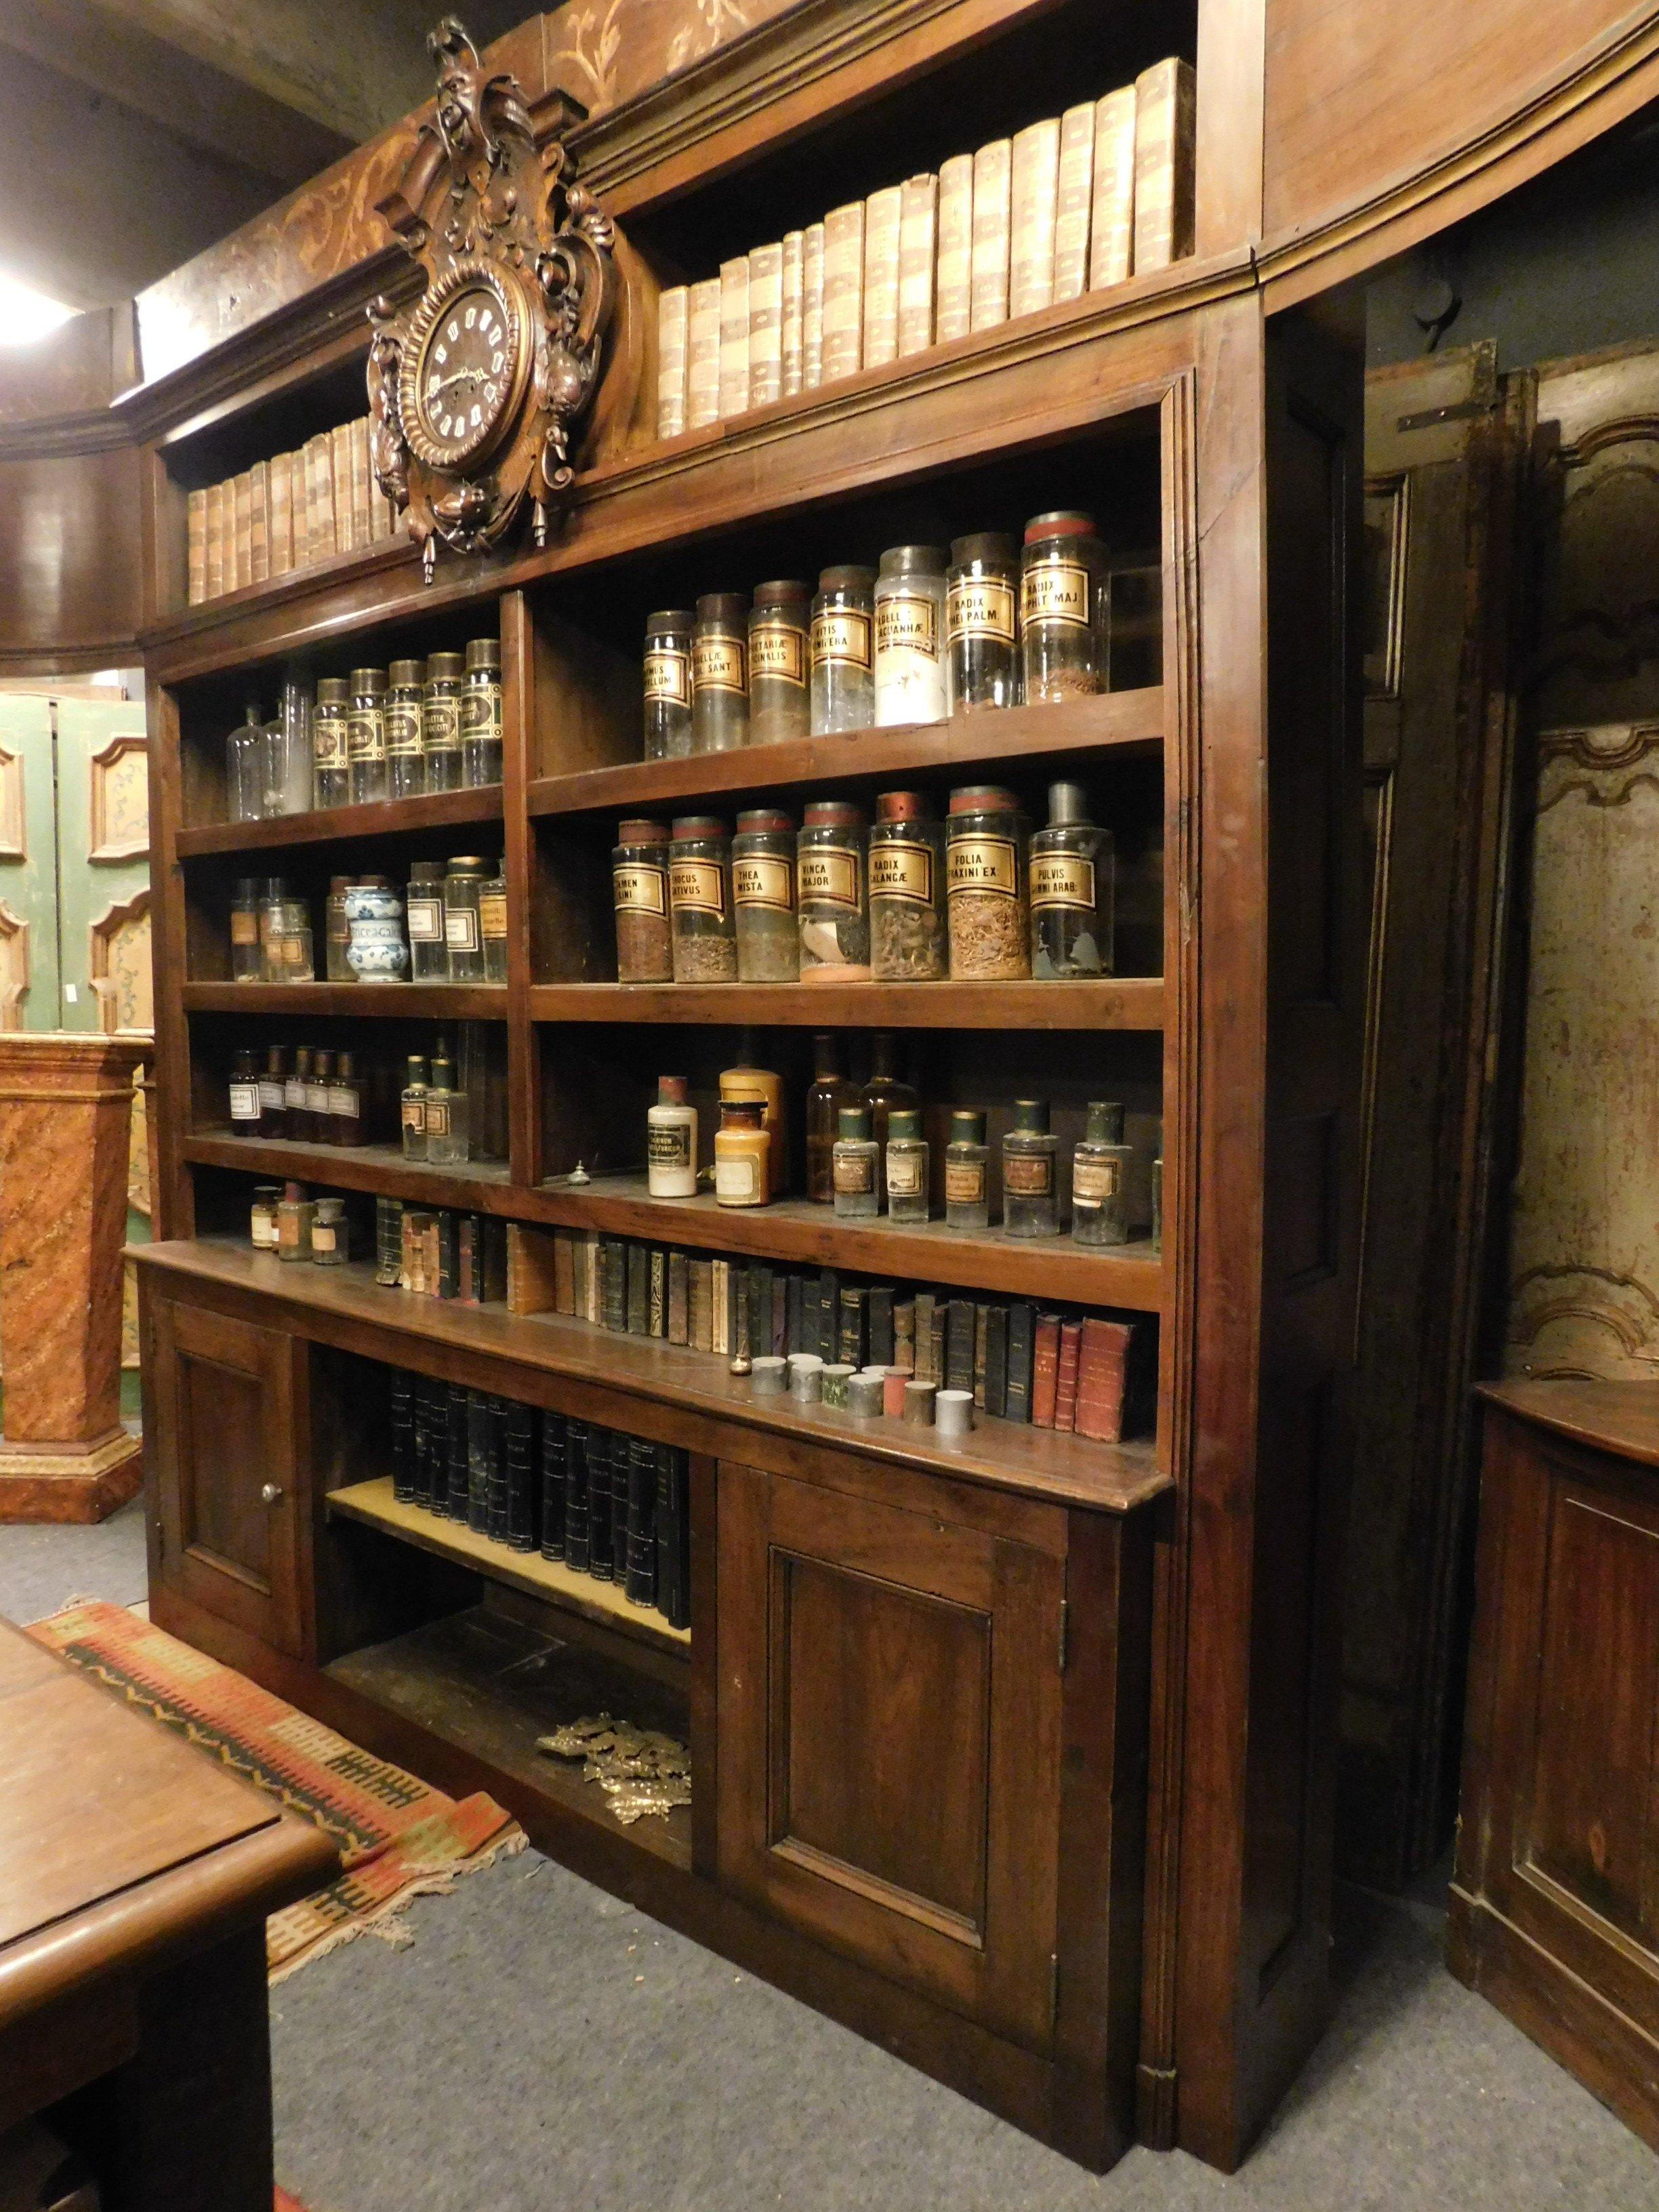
(478, 393)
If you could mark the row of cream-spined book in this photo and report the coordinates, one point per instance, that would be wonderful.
(286, 513)
(1073, 204)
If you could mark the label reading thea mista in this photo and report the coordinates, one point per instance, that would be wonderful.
(902, 871)
(778, 649)
(668, 678)
(1028, 1175)
(830, 878)
(854, 1172)
(983, 864)
(718, 664)
(841, 639)
(1093, 1182)
(698, 887)
(764, 881)
(1062, 879)
(907, 623)
(978, 607)
(1055, 592)
(641, 889)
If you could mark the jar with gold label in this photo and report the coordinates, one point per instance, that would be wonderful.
(844, 676)
(985, 885)
(778, 625)
(719, 673)
(1100, 1178)
(764, 896)
(492, 925)
(1062, 605)
(481, 715)
(704, 938)
(830, 894)
(405, 730)
(1072, 891)
(424, 915)
(1031, 1202)
(366, 736)
(441, 708)
(668, 683)
(639, 882)
(910, 658)
(982, 631)
(332, 775)
(907, 891)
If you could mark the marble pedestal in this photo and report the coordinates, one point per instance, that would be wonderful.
(65, 1106)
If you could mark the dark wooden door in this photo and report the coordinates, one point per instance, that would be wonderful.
(225, 1412)
(890, 1717)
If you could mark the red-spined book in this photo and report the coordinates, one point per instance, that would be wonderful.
(1071, 1348)
(1103, 1378)
(1045, 1370)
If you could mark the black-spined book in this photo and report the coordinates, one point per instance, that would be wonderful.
(829, 1315)
(850, 1343)
(575, 1498)
(449, 1253)
(1021, 1322)
(959, 1345)
(601, 1557)
(673, 1559)
(639, 1290)
(480, 1447)
(640, 1585)
(996, 1359)
(496, 1519)
(455, 1503)
(553, 1465)
(879, 1310)
(403, 1435)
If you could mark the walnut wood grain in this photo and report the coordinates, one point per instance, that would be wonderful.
(385, 818)
(1124, 1002)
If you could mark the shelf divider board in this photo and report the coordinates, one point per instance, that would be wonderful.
(479, 1186)
(444, 1002)
(374, 1504)
(380, 818)
(518, 713)
(1130, 1002)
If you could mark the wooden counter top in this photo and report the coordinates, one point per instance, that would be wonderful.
(1615, 1417)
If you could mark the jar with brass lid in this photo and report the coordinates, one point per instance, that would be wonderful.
(331, 780)
(985, 838)
(639, 882)
(700, 901)
(779, 621)
(406, 725)
(668, 683)
(1062, 604)
(910, 656)
(830, 894)
(843, 680)
(1071, 891)
(719, 673)
(481, 715)
(764, 896)
(366, 736)
(446, 680)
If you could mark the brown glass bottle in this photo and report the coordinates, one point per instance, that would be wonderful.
(884, 1091)
(346, 1103)
(829, 1091)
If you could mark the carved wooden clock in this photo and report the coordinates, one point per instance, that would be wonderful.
(477, 394)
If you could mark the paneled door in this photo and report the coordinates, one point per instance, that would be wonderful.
(889, 1731)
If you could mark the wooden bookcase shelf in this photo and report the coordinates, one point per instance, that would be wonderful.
(1131, 1002)
(343, 825)
(479, 1186)
(442, 1002)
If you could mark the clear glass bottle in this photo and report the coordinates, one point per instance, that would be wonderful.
(764, 896)
(262, 1221)
(779, 707)
(291, 942)
(671, 1141)
(639, 885)
(492, 925)
(1100, 1178)
(288, 753)
(857, 1169)
(273, 1095)
(886, 1091)
(329, 1232)
(1062, 608)
(337, 932)
(347, 1096)
(244, 1095)
(405, 730)
(843, 680)
(294, 1218)
(464, 879)
(829, 1091)
(247, 961)
(910, 655)
(331, 771)
(371, 777)
(441, 708)
(980, 621)
(1031, 1203)
(668, 683)
(1072, 890)
(908, 943)
(967, 1171)
(743, 1147)
(423, 917)
(273, 890)
(830, 893)
(411, 1108)
(448, 1121)
(907, 1166)
(296, 1094)
(719, 673)
(700, 901)
(318, 1085)
(985, 837)
(481, 715)
(245, 769)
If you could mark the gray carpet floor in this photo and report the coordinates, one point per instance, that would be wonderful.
(536, 2046)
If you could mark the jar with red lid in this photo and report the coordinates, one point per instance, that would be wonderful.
(907, 891)
(764, 896)
(639, 880)
(985, 857)
(830, 894)
(1062, 607)
(700, 901)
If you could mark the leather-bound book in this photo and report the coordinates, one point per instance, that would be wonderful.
(640, 1580)
(564, 1271)
(1074, 196)
(765, 325)
(613, 1281)
(1065, 1378)
(789, 343)
(622, 1470)
(363, 486)
(553, 1470)
(936, 1335)
(1045, 1370)
(242, 530)
(1112, 218)
(953, 276)
(882, 213)
(993, 178)
(673, 309)
(601, 1536)
(638, 1264)
(1108, 1373)
(795, 1316)
(734, 336)
(812, 306)
(282, 515)
(489, 1243)
(656, 1294)
(426, 1442)
(959, 1345)
(576, 1527)
(843, 291)
(780, 1341)
(981, 1345)
(402, 1424)
(448, 1283)
(678, 1298)
(700, 1306)
(673, 1533)
(996, 1360)
(918, 263)
(480, 1445)
(878, 1311)
(496, 1516)
(340, 475)
(702, 355)
(1033, 206)
(213, 541)
(758, 1291)
(1165, 104)
(523, 1477)
(923, 1323)
(592, 1308)
(904, 1335)
(720, 1305)
(852, 1340)
(259, 523)
(828, 1314)
(196, 519)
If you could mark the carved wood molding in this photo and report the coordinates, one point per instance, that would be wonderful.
(1594, 1314)
(14, 833)
(118, 967)
(14, 967)
(118, 808)
(1601, 765)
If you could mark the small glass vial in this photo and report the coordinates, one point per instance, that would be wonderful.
(441, 711)
(330, 779)
(329, 1232)
(273, 1095)
(779, 704)
(1071, 891)
(247, 963)
(1062, 602)
(910, 656)
(294, 1218)
(411, 1108)
(668, 683)
(481, 715)
(967, 1171)
(843, 677)
(245, 769)
(670, 1142)
(366, 736)
(907, 1166)
(743, 1147)
(1100, 1178)
(985, 883)
(764, 896)
(288, 753)
(830, 894)
(423, 917)
(296, 1092)
(492, 926)
(345, 1103)
(319, 1104)
(272, 892)
(829, 1091)
(719, 673)
(908, 941)
(448, 1119)
(1030, 1206)
(639, 885)
(294, 950)
(405, 730)
(982, 599)
(700, 901)
(262, 1223)
(337, 932)
(464, 879)
(244, 1096)
(857, 1167)
(886, 1091)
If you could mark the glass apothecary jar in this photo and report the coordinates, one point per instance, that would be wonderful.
(1031, 1202)
(844, 678)
(424, 918)
(830, 894)
(291, 942)
(668, 683)
(405, 730)
(967, 1171)
(1062, 603)
(719, 673)
(764, 896)
(705, 939)
(639, 882)
(911, 659)
(481, 715)
(337, 932)
(288, 753)
(366, 736)
(779, 622)
(329, 1233)
(247, 963)
(492, 926)
(245, 769)
(464, 881)
(441, 706)
(980, 621)
(908, 941)
(331, 774)
(1071, 891)
(985, 838)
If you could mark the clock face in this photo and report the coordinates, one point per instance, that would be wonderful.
(467, 373)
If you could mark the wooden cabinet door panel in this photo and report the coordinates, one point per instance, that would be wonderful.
(227, 1407)
(888, 1740)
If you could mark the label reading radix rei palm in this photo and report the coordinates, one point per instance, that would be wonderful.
(766, 880)
(640, 889)
(840, 638)
(983, 864)
(979, 606)
(902, 871)
(718, 664)
(1062, 879)
(1055, 592)
(697, 887)
(777, 649)
(668, 678)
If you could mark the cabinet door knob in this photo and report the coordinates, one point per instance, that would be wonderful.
(271, 1493)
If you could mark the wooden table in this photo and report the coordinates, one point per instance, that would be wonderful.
(135, 1879)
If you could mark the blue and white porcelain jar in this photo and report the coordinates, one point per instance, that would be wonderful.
(377, 951)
